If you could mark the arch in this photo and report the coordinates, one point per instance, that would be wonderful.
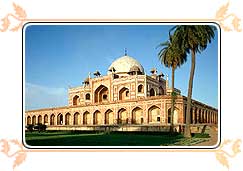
(140, 88)
(75, 100)
(97, 118)
(101, 94)
(195, 116)
(67, 119)
(161, 91)
(86, 118)
(122, 116)
(137, 115)
(52, 119)
(33, 120)
(151, 92)
(124, 93)
(153, 114)
(46, 119)
(39, 119)
(76, 119)
(109, 117)
(59, 119)
(87, 96)
(28, 120)
(175, 116)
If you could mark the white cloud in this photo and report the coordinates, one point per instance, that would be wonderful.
(38, 96)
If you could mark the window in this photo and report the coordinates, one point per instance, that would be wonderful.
(87, 96)
(104, 97)
(140, 88)
(158, 119)
(75, 100)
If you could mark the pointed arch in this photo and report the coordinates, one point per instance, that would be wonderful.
(109, 117)
(39, 119)
(75, 100)
(46, 119)
(52, 119)
(76, 119)
(124, 93)
(140, 88)
(33, 120)
(97, 118)
(28, 120)
(86, 118)
(67, 119)
(59, 119)
(137, 115)
(154, 114)
(122, 116)
(101, 94)
(151, 92)
(87, 96)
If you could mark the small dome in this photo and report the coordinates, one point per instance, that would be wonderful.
(124, 64)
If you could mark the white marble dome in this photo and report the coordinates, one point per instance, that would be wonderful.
(124, 64)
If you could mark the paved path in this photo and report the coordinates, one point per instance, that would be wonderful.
(213, 132)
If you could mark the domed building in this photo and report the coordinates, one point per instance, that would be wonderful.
(126, 99)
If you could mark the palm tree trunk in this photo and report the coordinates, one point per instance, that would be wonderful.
(187, 132)
(172, 100)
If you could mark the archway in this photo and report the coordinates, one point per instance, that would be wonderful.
(124, 93)
(109, 117)
(39, 119)
(87, 96)
(97, 118)
(86, 118)
(152, 92)
(52, 119)
(161, 90)
(140, 88)
(33, 120)
(46, 119)
(28, 120)
(67, 119)
(153, 114)
(122, 116)
(75, 100)
(175, 116)
(76, 120)
(101, 94)
(137, 115)
(59, 119)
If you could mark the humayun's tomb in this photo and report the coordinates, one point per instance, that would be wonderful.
(124, 99)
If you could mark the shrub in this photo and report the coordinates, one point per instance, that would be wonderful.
(30, 127)
(40, 127)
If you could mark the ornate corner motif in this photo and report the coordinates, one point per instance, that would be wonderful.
(19, 155)
(223, 156)
(223, 18)
(19, 16)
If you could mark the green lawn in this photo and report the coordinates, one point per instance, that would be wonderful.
(67, 138)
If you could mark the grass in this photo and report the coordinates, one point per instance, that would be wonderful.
(68, 138)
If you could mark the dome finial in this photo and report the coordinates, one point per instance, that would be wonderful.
(125, 51)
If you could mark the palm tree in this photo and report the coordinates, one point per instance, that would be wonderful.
(172, 57)
(192, 39)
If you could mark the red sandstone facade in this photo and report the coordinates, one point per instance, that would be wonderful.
(125, 96)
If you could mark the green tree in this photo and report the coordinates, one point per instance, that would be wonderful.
(193, 39)
(172, 57)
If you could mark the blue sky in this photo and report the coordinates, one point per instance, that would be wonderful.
(61, 56)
